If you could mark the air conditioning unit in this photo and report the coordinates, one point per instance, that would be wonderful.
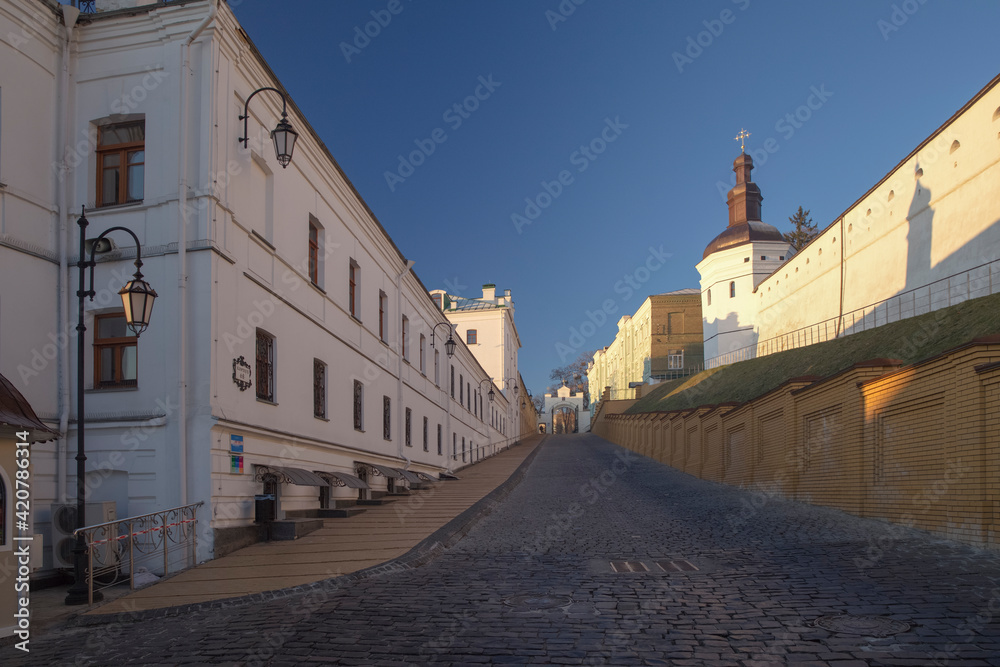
(64, 523)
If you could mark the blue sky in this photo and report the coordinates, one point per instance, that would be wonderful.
(633, 106)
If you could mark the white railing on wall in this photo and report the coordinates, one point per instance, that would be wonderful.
(978, 281)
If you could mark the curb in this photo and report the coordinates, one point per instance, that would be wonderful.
(422, 553)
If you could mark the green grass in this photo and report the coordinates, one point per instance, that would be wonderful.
(910, 340)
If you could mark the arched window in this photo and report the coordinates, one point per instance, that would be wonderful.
(732, 289)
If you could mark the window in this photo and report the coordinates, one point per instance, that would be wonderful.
(437, 299)
(439, 439)
(383, 301)
(423, 354)
(319, 389)
(452, 381)
(463, 449)
(121, 157)
(265, 366)
(358, 406)
(468, 396)
(710, 297)
(405, 327)
(354, 275)
(313, 253)
(475, 404)
(454, 447)
(437, 374)
(470, 337)
(732, 289)
(114, 353)
(425, 434)
(781, 258)
(675, 360)
(386, 418)
(409, 419)
(461, 389)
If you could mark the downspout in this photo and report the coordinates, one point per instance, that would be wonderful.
(843, 270)
(70, 15)
(182, 186)
(399, 363)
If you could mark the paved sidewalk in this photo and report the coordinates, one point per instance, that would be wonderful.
(342, 546)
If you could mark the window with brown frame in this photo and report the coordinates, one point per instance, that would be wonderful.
(121, 158)
(353, 288)
(383, 301)
(319, 389)
(358, 406)
(313, 253)
(115, 348)
(471, 337)
(265, 366)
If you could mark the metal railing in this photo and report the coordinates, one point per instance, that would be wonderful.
(120, 547)
(982, 280)
(484, 451)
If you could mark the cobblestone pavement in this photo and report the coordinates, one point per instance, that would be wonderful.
(532, 584)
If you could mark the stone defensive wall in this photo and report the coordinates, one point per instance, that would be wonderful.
(916, 445)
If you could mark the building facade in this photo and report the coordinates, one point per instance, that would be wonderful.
(486, 326)
(662, 340)
(290, 332)
(926, 236)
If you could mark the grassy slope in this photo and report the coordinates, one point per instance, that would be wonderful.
(910, 340)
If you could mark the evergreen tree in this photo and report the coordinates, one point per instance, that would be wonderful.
(804, 232)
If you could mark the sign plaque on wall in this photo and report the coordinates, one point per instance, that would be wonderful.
(241, 373)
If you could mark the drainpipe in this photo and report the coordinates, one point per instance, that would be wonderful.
(182, 186)
(399, 363)
(70, 15)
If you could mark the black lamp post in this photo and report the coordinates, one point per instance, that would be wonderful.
(492, 393)
(137, 299)
(282, 135)
(449, 345)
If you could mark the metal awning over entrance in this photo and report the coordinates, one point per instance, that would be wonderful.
(290, 475)
(409, 476)
(425, 477)
(446, 475)
(386, 471)
(342, 479)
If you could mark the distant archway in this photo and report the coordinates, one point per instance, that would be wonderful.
(564, 421)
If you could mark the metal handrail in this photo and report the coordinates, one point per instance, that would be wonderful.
(114, 545)
(838, 327)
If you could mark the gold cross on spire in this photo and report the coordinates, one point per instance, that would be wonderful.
(741, 137)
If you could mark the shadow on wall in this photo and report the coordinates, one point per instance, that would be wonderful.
(728, 336)
(920, 269)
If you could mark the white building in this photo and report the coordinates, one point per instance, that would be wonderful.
(278, 276)
(565, 412)
(486, 325)
(734, 263)
(926, 236)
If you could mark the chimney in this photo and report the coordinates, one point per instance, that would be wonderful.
(490, 292)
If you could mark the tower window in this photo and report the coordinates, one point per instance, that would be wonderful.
(732, 289)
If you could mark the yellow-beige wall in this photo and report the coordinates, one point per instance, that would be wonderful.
(918, 445)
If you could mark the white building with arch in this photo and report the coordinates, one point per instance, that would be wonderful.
(569, 401)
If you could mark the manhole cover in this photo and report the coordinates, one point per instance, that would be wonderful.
(531, 601)
(868, 626)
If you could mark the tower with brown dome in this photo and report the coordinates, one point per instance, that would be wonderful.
(734, 263)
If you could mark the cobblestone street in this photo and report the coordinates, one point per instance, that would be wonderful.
(533, 584)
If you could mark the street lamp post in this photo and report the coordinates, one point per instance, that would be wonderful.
(282, 135)
(449, 345)
(137, 300)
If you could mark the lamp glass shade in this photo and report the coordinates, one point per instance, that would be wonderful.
(516, 389)
(449, 346)
(284, 141)
(492, 395)
(137, 299)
